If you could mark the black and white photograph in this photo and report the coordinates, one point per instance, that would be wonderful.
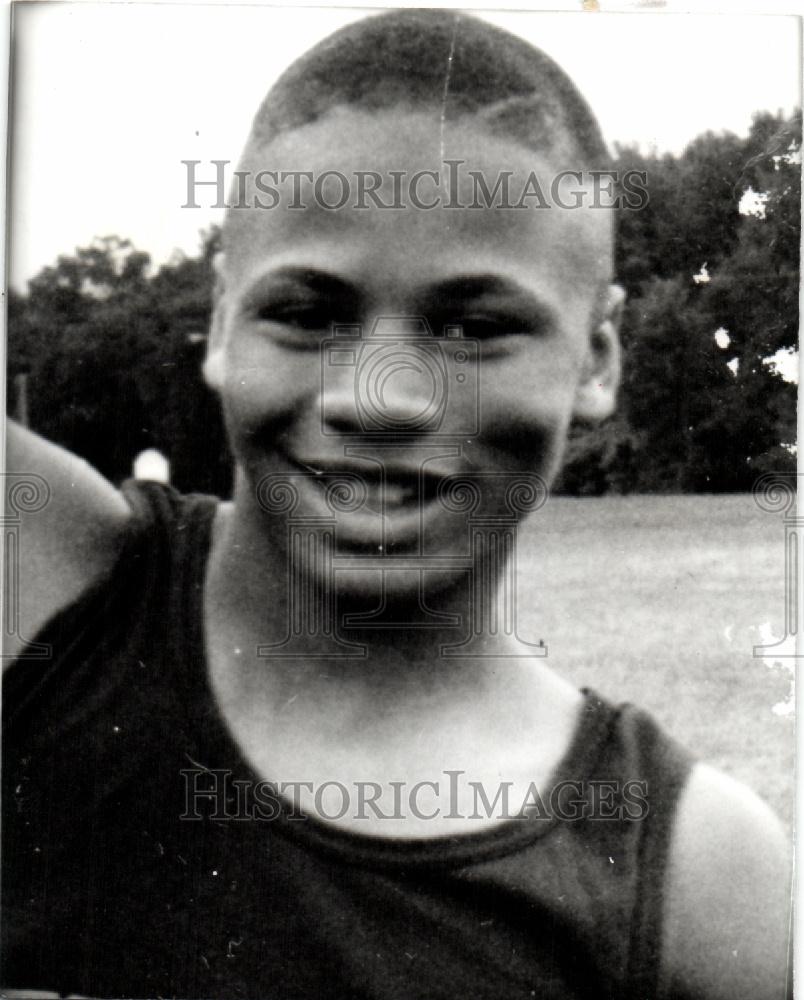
(400, 554)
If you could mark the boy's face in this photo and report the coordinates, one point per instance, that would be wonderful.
(527, 286)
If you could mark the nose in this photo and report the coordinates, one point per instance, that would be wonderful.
(392, 382)
(338, 401)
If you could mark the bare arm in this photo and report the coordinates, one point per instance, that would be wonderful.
(728, 901)
(65, 545)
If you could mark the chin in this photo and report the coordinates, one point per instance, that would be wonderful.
(395, 597)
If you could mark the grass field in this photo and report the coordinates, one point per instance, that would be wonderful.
(659, 601)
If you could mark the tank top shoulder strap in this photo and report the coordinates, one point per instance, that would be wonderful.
(174, 532)
(171, 520)
(173, 527)
(655, 758)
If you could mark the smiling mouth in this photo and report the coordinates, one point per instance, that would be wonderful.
(384, 492)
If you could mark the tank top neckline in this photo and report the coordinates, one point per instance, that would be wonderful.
(217, 748)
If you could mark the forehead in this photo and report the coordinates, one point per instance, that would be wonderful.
(412, 160)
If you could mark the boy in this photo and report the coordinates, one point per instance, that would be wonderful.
(173, 774)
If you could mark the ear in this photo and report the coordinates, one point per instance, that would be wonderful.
(596, 395)
(213, 367)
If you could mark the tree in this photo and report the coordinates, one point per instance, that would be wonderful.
(753, 296)
(114, 356)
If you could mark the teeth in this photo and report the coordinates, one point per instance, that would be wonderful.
(312, 468)
(393, 495)
(396, 494)
(378, 497)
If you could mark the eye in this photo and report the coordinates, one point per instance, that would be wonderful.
(490, 326)
(305, 316)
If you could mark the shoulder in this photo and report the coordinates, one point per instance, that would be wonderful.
(727, 895)
(61, 547)
(86, 548)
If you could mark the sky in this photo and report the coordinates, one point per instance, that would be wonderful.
(109, 99)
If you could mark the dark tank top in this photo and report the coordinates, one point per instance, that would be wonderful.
(110, 890)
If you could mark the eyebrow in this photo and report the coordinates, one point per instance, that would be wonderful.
(314, 279)
(473, 286)
(466, 287)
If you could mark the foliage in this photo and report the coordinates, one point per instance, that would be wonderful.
(698, 417)
(112, 358)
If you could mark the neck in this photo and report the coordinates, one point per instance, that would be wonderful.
(372, 644)
(401, 710)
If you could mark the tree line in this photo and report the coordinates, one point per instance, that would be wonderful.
(104, 351)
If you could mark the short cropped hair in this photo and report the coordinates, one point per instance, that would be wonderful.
(437, 59)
